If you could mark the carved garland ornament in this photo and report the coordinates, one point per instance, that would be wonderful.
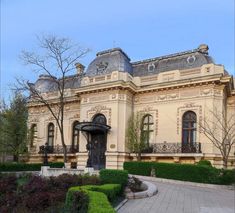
(151, 111)
(186, 107)
(100, 109)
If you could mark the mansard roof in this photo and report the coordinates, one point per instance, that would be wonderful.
(178, 61)
(117, 60)
(108, 61)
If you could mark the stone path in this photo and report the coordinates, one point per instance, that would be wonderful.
(176, 198)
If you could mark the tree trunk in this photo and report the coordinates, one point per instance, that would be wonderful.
(225, 162)
(64, 148)
(15, 157)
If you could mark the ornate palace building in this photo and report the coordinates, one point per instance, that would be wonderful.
(173, 93)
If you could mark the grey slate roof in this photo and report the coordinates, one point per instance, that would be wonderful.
(46, 83)
(108, 61)
(179, 61)
(117, 60)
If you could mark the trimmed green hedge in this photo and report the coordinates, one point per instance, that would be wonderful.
(98, 197)
(110, 190)
(114, 176)
(204, 163)
(15, 167)
(99, 203)
(184, 172)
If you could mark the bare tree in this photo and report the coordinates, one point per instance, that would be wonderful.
(219, 128)
(55, 58)
(135, 137)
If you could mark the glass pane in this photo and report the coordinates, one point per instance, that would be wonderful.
(150, 119)
(151, 137)
(185, 136)
(145, 127)
(193, 136)
(50, 141)
(185, 124)
(151, 127)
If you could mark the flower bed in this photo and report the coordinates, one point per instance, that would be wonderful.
(19, 195)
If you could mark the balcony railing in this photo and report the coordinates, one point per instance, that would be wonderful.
(173, 148)
(58, 149)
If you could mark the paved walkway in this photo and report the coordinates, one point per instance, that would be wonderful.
(175, 198)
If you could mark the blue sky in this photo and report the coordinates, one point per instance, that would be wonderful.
(143, 29)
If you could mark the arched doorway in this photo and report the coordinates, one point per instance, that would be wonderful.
(97, 144)
(96, 135)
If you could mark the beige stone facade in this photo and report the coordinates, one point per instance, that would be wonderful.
(164, 87)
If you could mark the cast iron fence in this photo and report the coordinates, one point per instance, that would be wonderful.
(173, 148)
(58, 149)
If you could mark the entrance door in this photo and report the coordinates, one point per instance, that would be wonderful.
(98, 148)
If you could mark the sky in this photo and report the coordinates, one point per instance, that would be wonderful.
(142, 28)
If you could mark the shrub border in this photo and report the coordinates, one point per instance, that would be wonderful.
(98, 196)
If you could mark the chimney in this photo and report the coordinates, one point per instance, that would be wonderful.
(80, 68)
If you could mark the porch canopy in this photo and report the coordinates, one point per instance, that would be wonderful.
(92, 127)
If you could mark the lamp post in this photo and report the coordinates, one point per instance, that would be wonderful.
(45, 157)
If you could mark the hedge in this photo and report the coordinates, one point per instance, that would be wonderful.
(98, 197)
(110, 190)
(184, 172)
(204, 163)
(114, 176)
(14, 167)
(99, 203)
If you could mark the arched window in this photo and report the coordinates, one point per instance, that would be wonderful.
(33, 134)
(75, 136)
(189, 127)
(147, 128)
(99, 118)
(50, 134)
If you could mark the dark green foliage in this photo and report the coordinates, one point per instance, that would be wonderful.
(98, 197)
(138, 168)
(227, 177)
(13, 127)
(14, 167)
(184, 172)
(204, 163)
(110, 190)
(114, 176)
(99, 203)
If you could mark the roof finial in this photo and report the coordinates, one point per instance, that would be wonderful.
(203, 48)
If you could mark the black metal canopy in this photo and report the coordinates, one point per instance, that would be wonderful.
(92, 127)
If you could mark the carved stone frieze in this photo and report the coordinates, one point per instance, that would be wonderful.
(33, 120)
(100, 109)
(98, 98)
(75, 116)
(51, 118)
(189, 93)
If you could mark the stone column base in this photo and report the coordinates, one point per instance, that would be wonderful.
(81, 158)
